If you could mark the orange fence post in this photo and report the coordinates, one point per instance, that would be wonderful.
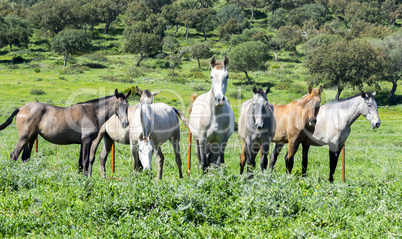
(343, 164)
(189, 150)
(36, 145)
(113, 154)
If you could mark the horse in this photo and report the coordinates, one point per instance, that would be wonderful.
(292, 119)
(212, 119)
(154, 125)
(334, 121)
(112, 132)
(76, 124)
(256, 128)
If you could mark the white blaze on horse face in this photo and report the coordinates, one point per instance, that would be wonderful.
(259, 103)
(219, 79)
(369, 110)
(145, 153)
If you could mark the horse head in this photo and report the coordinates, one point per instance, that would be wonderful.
(260, 102)
(369, 109)
(313, 100)
(120, 107)
(219, 78)
(146, 150)
(146, 96)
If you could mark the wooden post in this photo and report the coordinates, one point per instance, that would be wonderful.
(36, 145)
(189, 150)
(343, 164)
(113, 154)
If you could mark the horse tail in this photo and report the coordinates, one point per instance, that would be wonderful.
(192, 99)
(9, 120)
(182, 117)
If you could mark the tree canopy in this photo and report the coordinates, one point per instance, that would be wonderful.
(71, 41)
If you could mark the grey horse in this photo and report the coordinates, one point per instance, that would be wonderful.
(256, 128)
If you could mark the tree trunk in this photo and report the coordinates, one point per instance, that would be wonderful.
(338, 93)
(106, 28)
(199, 65)
(141, 57)
(187, 30)
(248, 78)
(11, 47)
(177, 29)
(252, 14)
(276, 56)
(172, 71)
(392, 92)
(295, 51)
(65, 60)
(205, 35)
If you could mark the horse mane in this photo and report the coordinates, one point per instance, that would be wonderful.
(99, 99)
(351, 97)
(147, 93)
(260, 91)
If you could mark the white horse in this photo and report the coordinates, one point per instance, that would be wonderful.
(256, 128)
(112, 131)
(212, 119)
(333, 127)
(154, 125)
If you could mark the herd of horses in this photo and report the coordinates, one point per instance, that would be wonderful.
(147, 125)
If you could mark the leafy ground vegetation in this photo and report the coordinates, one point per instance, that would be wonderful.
(166, 47)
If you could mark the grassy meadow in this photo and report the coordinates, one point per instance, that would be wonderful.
(46, 197)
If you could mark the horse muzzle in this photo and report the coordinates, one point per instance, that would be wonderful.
(259, 126)
(124, 124)
(219, 100)
(312, 122)
(376, 125)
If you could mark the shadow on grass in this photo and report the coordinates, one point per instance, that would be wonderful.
(382, 99)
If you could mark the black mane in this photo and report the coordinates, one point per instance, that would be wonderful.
(96, 100)
(351, 97)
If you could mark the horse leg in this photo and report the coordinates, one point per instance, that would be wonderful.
(264, 159)
(86, 147)
(94, 147)
(26, 154)
(18, 148)
(333, 161)
(250, 158)
(137, 166)
(80, 166)
(176, 147)
(306, 147)
(289, 158)
(160, 159)
(221, 153)
(202, 160)
(108, 142)
(243, 158)
(274, 155)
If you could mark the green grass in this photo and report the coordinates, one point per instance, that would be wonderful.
(47, 197)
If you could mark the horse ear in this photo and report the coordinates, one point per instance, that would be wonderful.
(116, 93)
(363, 95)
(374, 93)
(212, 61)
(155, 92)
(150, 135)
(267, 90)
(310, 89)
(226, 62)
(139, 91)
(254, 90)
(141, 136)
(320, 89)
(128, 93)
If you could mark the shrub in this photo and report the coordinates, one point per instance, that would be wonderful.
(75, 69)
(199, 88)
(236, 95)
(134, 72)
(197, 75)
(284, 84)
(97, 57)
(37, 92)
(275, 66)
(36, 70)
(38, 79)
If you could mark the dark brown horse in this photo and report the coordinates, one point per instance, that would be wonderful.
(292, 118)
(76, 124)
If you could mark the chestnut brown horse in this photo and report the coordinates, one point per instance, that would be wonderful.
(76, 124)
(292, 118)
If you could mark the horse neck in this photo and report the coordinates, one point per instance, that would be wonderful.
(146, 112)
(104, 109)
(350, 109)
(302, 105)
